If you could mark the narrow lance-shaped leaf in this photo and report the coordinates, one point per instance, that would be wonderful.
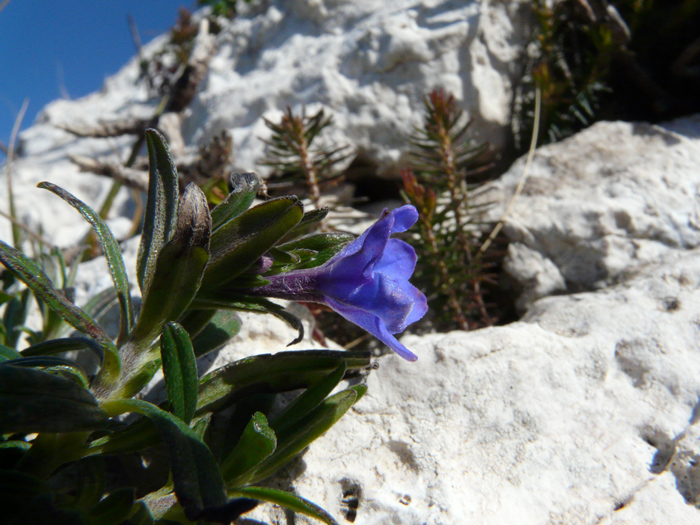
(36, 401)
(256, 444)
(224, 325)
(287, 500)
(240, 242)
(66, 344)
(294, 438)
(244, 188)
(269, 373)
(223, 299)
(8, 353)
(112, 253)
(14, 317)
(59, 365)
(161, 206)
(308, 400)
(178, 270)
(180, 370)
(31, 275)
(196, 476)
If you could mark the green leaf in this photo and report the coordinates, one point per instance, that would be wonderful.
(257, 443)
(112, 253)
(294, 438)
(90, 479)
(30, 274)
(308, 400)
(238, 420)
(272, 373)
(178, 269)
(223, 299)
(237, 244)
(137, 436)
(287, 500)
(244, 188)
(64, 367)
(8, 353)
(180, 370)
(161, 206)
(36, 401)
(15, 315)
(113, 509)
(144, 368)
(196, 476)
(319, 242)
(307, 224)
(221, 329)
(67, 344)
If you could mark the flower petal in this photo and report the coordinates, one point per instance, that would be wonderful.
(398, 260)
(374, 325)
(404, 217)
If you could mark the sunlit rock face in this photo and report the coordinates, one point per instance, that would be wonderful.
(369, 63)
(584, 411)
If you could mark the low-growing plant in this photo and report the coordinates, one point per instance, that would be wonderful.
(69, 453)
(298, 162)
(609, 60)
(451, 267)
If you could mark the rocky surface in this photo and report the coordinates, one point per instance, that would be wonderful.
(599, 205)
(585, 411)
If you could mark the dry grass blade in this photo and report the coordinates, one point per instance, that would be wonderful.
(526, 171)
(16, 238)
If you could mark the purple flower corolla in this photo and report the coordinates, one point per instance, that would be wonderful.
(366, 282)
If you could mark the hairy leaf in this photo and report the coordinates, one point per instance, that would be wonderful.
(161, 206)
(224, 325)
(236, 245)
(112, 253)
(308, 400)
(256, 444)
(180, 370)
(244, 188)
(287, 500)
(177, 273)
(295, 437)
(270, 373)
(30, 274)
(196, 476)
(36, 401)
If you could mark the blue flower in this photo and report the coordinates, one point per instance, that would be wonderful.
(366, 282)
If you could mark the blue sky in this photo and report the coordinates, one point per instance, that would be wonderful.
(47, 44)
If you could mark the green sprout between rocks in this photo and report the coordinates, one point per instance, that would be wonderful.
(296, 161)
(69, 453)
(451, 268)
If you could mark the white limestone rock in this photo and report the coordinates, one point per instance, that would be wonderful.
(601, 204)
(583, 412)
(369, 63)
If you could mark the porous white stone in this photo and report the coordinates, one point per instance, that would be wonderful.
(583, 412)
(601, 204)
(368, 63)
